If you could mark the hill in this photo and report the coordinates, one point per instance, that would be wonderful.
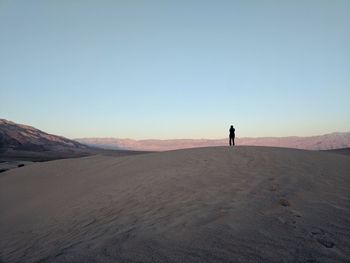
(219, 204)
(23, 141)
(23, 137)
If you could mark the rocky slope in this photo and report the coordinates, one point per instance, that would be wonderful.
(15, 136)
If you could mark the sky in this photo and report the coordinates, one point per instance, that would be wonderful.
(176, 69)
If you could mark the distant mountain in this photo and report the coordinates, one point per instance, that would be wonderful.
(149, 145)
(322, 142)
(336, 140)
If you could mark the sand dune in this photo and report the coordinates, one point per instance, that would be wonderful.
(220, 204)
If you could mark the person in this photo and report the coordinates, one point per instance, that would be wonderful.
(232, 135)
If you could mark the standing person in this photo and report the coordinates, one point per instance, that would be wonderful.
(232, 135)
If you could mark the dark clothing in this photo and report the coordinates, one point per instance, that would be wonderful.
(232, 132)
(233, 140)
(232, 136)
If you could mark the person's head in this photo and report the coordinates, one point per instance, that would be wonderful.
(231, 126)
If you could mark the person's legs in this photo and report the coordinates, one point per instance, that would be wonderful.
(233, 141)
(229, 140)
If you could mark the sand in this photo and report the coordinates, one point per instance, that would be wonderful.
(219, 204)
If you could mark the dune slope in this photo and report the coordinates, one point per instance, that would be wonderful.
(220, 204)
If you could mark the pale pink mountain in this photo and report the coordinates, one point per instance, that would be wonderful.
(322, 142)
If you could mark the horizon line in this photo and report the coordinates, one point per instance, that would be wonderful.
(224, 138)
(176, 138)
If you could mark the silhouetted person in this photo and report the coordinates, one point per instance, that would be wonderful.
(232, 135)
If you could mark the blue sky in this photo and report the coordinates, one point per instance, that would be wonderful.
(176, 69)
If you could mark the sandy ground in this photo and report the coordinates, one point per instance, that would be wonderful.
(11, 159)
(220, 204)
(4, 165)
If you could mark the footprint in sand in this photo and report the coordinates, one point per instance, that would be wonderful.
(322, 238)
(284, 202)
(325, 242)
(292, 221)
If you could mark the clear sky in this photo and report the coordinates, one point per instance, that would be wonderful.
(176, 69)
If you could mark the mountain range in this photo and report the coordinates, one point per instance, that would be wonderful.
(322, 142)
(15, 138)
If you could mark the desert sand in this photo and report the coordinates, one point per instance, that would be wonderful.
(218, 204)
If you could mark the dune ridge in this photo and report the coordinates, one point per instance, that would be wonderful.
(218, 204)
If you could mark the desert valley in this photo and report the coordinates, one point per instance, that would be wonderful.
(174, 131)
